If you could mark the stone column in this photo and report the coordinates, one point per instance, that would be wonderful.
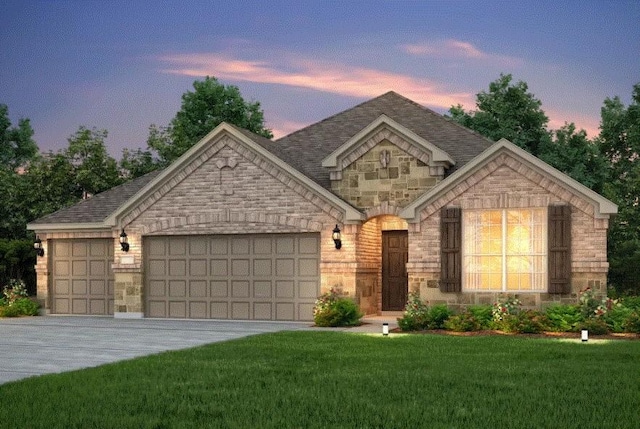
(128, 291)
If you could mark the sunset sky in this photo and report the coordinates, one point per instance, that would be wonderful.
(123, 65)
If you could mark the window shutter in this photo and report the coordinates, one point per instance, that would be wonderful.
(450, 247)
(559, 238)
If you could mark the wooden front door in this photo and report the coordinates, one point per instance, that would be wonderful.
(394, 273)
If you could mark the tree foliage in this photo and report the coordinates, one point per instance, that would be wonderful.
(619, 141)
(507, 111)
(16, 143)
(210, 104)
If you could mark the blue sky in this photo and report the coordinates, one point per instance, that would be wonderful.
(123, 65)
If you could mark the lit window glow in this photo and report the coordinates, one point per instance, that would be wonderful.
(505, 250)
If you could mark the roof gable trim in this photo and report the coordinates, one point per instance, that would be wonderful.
(351, 213)
(603, 207)
(438, 155)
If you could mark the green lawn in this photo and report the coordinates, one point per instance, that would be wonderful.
(332, 379)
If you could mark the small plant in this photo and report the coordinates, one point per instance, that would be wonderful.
(416, 314)
(594, 307)
(14, 291)
(616, 318)
(483, 313)
(632, 323)
(564, 317)
(463, 322)
(505, 306)
(26, 307)
(595, 326)
(334, 310)
(438, 316)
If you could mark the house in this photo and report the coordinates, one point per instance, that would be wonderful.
(381, 199)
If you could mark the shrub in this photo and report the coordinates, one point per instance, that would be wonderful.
(505, 306)
(15, 290)
(333, 310)
(438, 315)
(594, 307)
(632, 302)
(26, 307)
(527, 322)
(463, 322)
(483, 313)
(564, 317)
(595, 326)
(9, 311)
(616, 318)
(632, 323)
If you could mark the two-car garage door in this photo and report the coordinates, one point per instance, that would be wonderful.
(262, 277)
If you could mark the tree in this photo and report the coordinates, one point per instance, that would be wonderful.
(93, 169)
(507, 111)
(210, 104)
(619, 141)
(16, 144)
(573, 153)
(136, 163)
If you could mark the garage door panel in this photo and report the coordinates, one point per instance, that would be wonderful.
(308, 289)
(219, 288)
(79, 306)
(262, 289)
(284, 289)
(262, 277)
(197, 288)
(198, 268)
(239, 267)
(198, 310)
(177, 288)
(240, 289)
(305, 311)
(219, 267)
(262, 311)
(240, 310)
(79, 287)
(156, 308)
(81, 278)
(219, 310)
(178, 309)
(285, 311)
(177, 267)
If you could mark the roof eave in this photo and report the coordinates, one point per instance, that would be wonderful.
(603, 207)
(439, 155)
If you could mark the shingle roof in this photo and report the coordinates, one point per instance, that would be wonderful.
(306, 148)
(100, 206)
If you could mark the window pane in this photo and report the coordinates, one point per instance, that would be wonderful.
(523, 260)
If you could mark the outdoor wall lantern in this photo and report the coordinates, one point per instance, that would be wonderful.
(124, 244)
(38, 246)
(336, 237)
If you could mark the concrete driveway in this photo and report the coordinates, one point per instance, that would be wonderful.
(50, 344)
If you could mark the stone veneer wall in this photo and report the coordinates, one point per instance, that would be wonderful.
(365, 183)
(506, 183)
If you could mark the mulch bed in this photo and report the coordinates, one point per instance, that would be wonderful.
(570, 335)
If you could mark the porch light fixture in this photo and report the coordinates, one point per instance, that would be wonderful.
(38, 246)
(336, 237)
(124, 244)
(585, 335)
(385, 329)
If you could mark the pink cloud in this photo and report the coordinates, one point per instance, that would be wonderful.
(452, 48)
(316, 75)
(557, 119)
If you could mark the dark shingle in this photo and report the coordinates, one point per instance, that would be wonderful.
(100, 206)
(305, 149)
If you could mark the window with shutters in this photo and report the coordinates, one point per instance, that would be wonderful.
(505, 250)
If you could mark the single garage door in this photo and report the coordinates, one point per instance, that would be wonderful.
(261, 277)
(82, 280)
